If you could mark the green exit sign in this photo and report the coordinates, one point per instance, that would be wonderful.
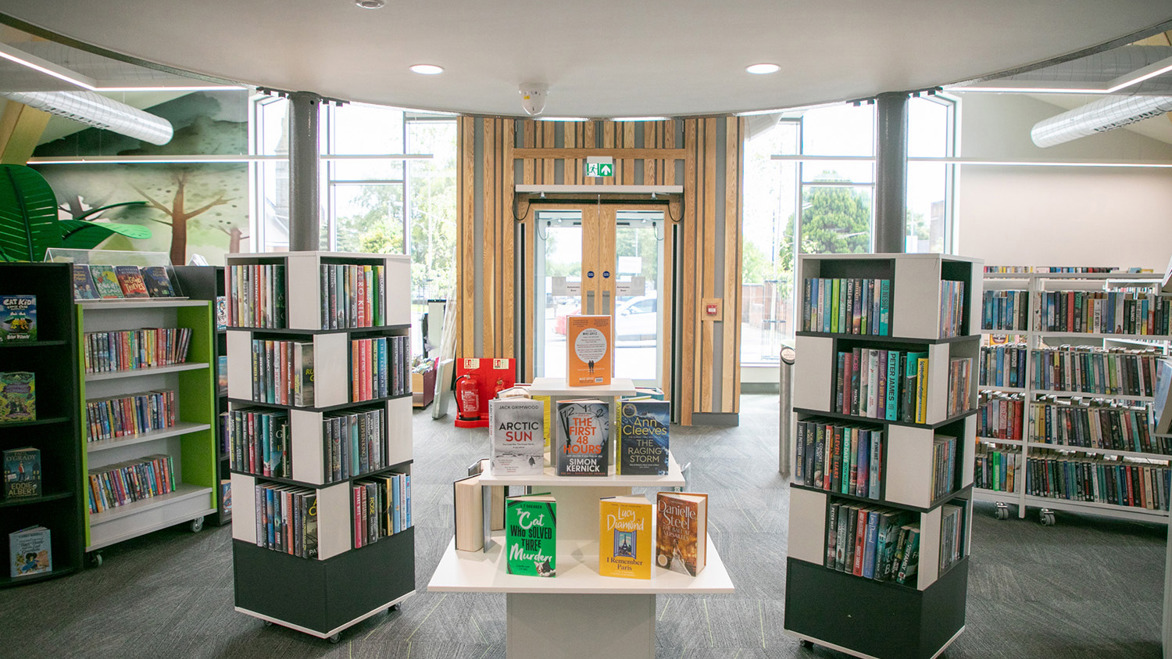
(599, 166)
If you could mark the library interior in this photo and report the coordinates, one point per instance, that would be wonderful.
(369, 329)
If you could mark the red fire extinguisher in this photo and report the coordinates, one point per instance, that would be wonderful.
(467, 398)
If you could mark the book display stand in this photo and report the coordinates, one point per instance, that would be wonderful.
(1114, 454)
(844, 610)
(551, 616)
(348, 581)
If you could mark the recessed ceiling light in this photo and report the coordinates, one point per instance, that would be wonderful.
(640, 119)
(370, 4)
(762, 69)
(427, 69)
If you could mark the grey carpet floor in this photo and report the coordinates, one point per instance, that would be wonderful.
(1087, 587)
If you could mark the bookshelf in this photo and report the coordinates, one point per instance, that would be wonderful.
(550, 617)
(185, 478)
(52, 358)
(1087, 469)
(842, 609)
(353, 576)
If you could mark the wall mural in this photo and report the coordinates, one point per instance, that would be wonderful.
(191, 208)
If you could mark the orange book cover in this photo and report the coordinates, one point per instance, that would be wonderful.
(624, 537)
(589, 353)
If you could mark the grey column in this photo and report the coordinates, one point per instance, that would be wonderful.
(890, 172)
(304, 207)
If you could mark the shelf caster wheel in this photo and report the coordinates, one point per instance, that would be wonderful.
(335, 638)
(96, 559)
(197, 525)
(809, 645)
(395, 607)
(1002, 511)
(1047, 517)
(268, 623)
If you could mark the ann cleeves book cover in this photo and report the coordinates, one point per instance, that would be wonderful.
(644, 428)
(582, 438)
(18, 318)
(531, 535)
(624, 537)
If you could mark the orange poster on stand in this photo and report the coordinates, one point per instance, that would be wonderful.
(589, 352)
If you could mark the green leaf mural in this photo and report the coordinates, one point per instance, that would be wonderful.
(28, 214)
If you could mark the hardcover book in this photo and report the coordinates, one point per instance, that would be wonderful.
(106, 282)
(624, 537)
(644, 428)
(18, 396)
(22, 473)
(468, 508)
(531, 535)
(589, 351)
(583, 437)
(158, 284)
(681, 533)
(131, 281)
(83, 285)
(516, 428)
(30, 552)
(18, 318)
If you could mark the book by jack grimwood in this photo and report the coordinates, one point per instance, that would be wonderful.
(516, 429)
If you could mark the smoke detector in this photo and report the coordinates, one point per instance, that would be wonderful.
(370, 4)
(533, 97)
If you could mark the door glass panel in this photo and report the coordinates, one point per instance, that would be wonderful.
(557, 286)
(638, 269)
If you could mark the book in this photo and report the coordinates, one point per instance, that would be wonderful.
(531, 535)
(910, 559)
(1161, 407)
(681, 532)
(624, 537)
(106, 282)
(18, 318)
(18, 396)
(226, 495)
(589, 350)
(583, 437)
(516, 430)
(83, 285)
(22, 473)
(30, 551)
(644, 435)
(131, 281)
(494, 503)
(158, 283)
(221, 312)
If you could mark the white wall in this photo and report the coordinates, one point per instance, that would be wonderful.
(1059, 215)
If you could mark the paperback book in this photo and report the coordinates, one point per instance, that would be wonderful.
(83, 285)
(106, 282)
(22, 473)
(30, 552)
(624, 537)
(583, 437)
(681, 531)
(18, 397)
(131, 281)
(531, 535)
(644, 429)
(589, 351)
(468, 506)
(516, 428)
(18, 318)
(158, 283)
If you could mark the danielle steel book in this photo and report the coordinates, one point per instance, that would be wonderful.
(644, 427)
(681, 531)
(516, 427)
(624, 537)
(531, 535)
(583, 437)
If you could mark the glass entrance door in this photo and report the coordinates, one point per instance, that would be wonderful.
(639, 325)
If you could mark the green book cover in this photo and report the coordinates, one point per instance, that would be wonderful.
(531, 535)
(835, 285)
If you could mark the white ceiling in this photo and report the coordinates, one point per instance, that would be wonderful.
(603, 58)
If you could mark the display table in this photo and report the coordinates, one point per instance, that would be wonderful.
(578, 613)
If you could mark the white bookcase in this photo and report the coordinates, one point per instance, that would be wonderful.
(345, 584)
(851, 613)
(1034, 336)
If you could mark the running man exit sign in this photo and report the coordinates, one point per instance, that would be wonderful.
(600, 166)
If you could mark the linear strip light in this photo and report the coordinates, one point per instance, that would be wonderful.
(988, 162)
(1135, 77)
(45, 66)
(212, 159)
(1010, 89)
(562, 119)
(175, 88)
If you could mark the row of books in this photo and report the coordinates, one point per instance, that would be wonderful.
(128, 350)
(259, 442)
(951, 536)
(1079, 269)
(1119, 482)
(282, 372)
(1005, 310)
(873, 542)
(382, 507)
(18, 318)
(1106, 424)
(1095, 370)
(847, 306)
(286, 519)
(127, 482)
(1105, 312)
(944, 459)
(951, 308)
(882, 384)
(960, 386)
(18, 396)
(127, 416)
(1003, 365)
(256, 295)
(353, 296)
(355, 443)
(106, 282)
(380, 367)
(995, 469)
(840, 458)
(1000, 415)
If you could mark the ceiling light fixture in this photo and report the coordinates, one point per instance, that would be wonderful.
(563, 119)
(427, 69)
(762, 69)
(45, 66)
(640, 119)
(370, 4)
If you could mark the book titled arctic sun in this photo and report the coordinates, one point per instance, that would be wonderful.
(583, 437)
(531, 535)
(516, 428)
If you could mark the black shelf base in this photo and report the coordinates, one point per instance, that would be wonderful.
(874, 618)
(323, 596)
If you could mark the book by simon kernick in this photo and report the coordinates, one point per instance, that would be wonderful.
(624, 537)
(583, 437)
(531, 535)
(516, 427)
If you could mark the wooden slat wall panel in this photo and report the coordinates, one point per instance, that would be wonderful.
(527, 165)
(732, 270)
(588, 141)
(688, 264)
(547, 141)
(629, 142)
(508, 240)
(489, 228)
(467, 272)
